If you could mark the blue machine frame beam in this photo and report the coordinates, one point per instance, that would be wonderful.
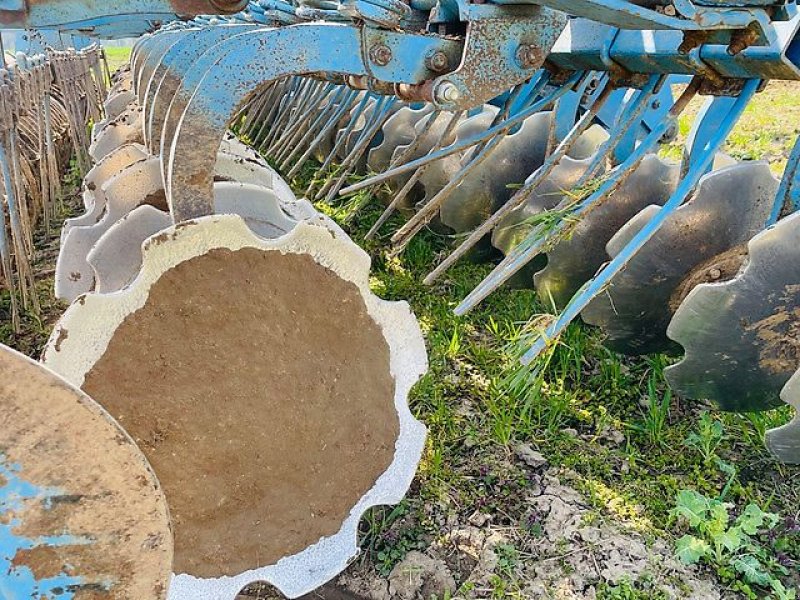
(580, 47)
(115, 18)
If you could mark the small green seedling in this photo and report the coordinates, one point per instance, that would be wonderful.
(731, 546)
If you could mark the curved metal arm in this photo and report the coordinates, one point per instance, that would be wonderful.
(244, 65)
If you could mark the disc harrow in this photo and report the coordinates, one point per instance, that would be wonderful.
(531, 133)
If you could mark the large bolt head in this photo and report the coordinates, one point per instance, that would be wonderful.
(380, 54)
(447, 93)
(527, 56)
(437, 61)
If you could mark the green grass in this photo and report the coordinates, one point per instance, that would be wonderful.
(117, 57)
(766, 131)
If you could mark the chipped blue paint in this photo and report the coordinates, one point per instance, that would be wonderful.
(19, 582)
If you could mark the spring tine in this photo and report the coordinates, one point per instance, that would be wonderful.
(52, 159)
(788, 194)
(252, 112)
(418, 138)
(471, 141)
(599, 282)
(269, 98)
(334, 98)
(285, 114)
(339, 111)
(538, 238)
(8, 273)
(340, 140)
(44, 169)
(425, 215)
(262, 134)
(296, 104)
(20, 254)
(252, 118)
(380, 114)
(305, 104)
(400, 196)
(301, 126)
(282, 115)
(522, 195)
(501, 116)
(630, 116)
(21, 196)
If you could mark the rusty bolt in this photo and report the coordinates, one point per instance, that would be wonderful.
(447, 93)
(437, 61)
(380, 54)
(527, 56)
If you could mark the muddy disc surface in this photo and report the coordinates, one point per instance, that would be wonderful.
(741, 336)
(259, 387)
(81, 513)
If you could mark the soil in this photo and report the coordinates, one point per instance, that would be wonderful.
(719, 268)
(573, 555)
(266, 413)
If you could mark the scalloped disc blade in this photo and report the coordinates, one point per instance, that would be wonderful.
(81, 512)
(267, 386)
(429, 138)
(399, 130)
(438, 173)
(784, 441)
(490, 185)
(116, 257)
(700, 241)
(141, 184)
(574, 261)
(740, 337)
(127, 128)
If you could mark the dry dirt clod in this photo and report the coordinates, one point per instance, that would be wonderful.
(420, 576)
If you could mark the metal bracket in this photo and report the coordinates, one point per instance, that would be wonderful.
(502, 49)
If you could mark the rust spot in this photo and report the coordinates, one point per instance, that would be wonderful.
(159, 239)
(157, 200)
(63, 334)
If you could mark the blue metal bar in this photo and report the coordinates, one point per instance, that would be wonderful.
(580, 47)
(625, 133)
(710, 118)
(602, 279)
(788, 193)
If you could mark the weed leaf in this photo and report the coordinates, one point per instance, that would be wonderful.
(690, 549)
(693, 507)
(752, 569)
